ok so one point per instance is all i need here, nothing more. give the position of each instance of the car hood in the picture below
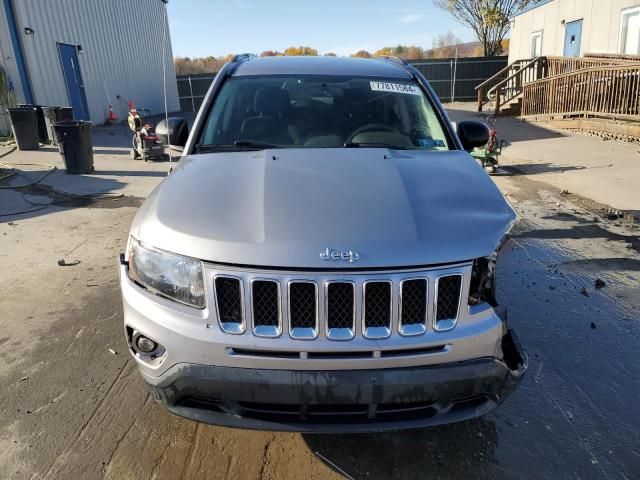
(283, 208)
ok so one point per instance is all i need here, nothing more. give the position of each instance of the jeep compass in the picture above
(323, 258)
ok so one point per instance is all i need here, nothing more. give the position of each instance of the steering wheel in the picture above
(372, 127)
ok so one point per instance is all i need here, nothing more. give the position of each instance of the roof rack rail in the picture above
(242, 57)
(399, 60)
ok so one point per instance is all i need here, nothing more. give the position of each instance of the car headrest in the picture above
(271, 102)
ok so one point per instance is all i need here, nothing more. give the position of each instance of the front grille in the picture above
(377, 309)
(303, 310)
(340, 310)
(265, 301)
(339, 306)
(448, 300)
(229, 301)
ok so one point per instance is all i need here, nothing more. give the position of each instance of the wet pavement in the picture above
(69, 408)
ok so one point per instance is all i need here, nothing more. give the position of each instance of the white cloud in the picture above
(411, 17)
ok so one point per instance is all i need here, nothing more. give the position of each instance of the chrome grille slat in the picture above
(340, 310)
(447, 303)
(413, 306)
(230, 303)
(303, 310)
(377, 309)
(265, 303)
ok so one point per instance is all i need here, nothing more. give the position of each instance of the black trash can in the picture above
(74, 142)
(42, 126)
(24, 122)
(53, 115)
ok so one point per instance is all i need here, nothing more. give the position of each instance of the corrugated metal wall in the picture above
(8, 64)
(121, 52)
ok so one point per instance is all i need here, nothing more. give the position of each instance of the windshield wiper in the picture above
(373, 145)
(254, 144)
(238, 144)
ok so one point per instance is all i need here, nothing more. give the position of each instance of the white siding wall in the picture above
(122, 50)
(600, 26)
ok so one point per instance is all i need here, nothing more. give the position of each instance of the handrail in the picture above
(605, 90)
(489, 80)
(510, 87)
(632, 66)
(512, 77)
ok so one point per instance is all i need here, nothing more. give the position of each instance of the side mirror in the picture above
(173, 132)
(472, 134)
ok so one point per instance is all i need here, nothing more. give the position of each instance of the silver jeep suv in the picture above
(323, 257)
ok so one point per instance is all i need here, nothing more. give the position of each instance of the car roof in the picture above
(306, 65)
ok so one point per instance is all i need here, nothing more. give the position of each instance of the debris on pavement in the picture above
(112, 351)
(600, 283)
(593, 326)
(333, 466)
(63, 263)
(584, 291)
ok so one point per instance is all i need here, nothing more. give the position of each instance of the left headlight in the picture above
(174, 276)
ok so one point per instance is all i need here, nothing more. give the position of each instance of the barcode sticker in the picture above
(395, 88)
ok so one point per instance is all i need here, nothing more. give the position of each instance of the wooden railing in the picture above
(608, 91)
(506, 85)
(560, 65)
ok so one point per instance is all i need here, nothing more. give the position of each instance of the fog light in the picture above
(145, 345)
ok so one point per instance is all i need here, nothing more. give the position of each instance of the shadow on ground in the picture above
(519, 130)
(462, 450)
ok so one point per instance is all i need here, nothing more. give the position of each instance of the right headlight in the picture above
(167, 274)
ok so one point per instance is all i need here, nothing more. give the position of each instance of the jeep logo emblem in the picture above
(331, 254)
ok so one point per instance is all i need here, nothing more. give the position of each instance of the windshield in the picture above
(321, 112)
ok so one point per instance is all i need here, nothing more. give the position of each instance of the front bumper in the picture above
(341, 400)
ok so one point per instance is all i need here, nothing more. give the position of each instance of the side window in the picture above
(536, 44)
(630, 31)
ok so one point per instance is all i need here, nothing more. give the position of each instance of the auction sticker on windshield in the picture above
(395, 87)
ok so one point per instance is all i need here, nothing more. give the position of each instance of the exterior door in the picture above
(73, 79)
(572, 38)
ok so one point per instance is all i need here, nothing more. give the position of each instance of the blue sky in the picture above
(200, 28)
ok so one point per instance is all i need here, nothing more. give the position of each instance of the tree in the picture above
(444, 46)
(410, 52)
(330, 54)
(489, 19)
(362, 54)
(271, 53)
(300, 51)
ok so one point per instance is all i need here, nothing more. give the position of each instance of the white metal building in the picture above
(575, 27)
(85, 53)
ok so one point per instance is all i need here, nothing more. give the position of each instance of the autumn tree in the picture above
(489, 19)
(271, 53)
(410, 52)
(300, 51)
(362, 54)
